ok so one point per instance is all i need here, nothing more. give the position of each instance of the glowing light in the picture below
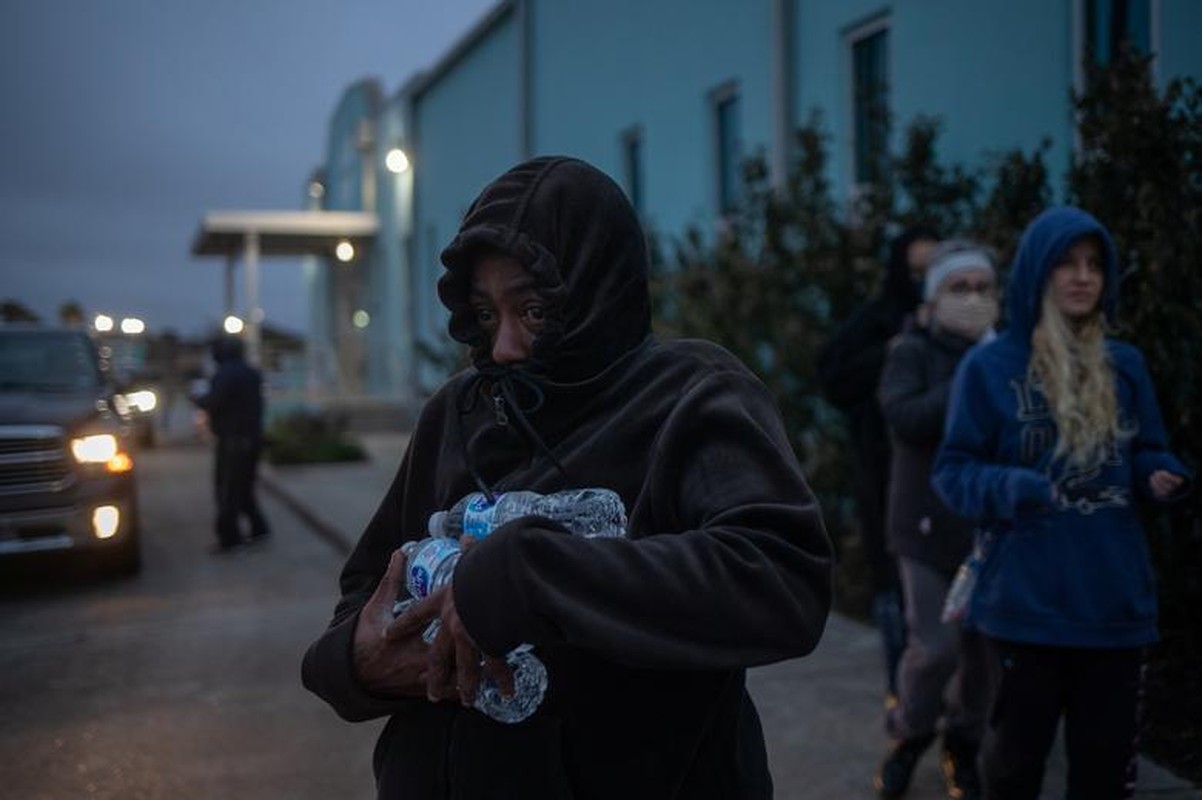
(396, 160)
(95, 449)
(121, 462)
(103, 323)
(361, 319)
(144, 400)
(232, 325)
(316, 190)
(105, 521)
(345, 251)
(132, 325)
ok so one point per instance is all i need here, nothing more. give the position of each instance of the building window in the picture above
(869, 52)
(632, 166)
(1110, 25)
(728, 147)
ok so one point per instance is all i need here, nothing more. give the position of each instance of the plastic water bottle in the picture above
(584, 512)
(959, 594)
(429, 565)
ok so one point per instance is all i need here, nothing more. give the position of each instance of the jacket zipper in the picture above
(498, 407)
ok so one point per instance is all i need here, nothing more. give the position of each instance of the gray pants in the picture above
(943, 670)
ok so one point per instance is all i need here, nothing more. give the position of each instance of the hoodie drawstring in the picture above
(508, 386)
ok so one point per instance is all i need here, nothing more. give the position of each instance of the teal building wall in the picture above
(539, 77)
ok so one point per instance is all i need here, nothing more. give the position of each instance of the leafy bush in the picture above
(307, 436)
(791, 264)
(1139, 169)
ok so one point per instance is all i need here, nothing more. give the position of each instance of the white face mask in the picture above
(968, 315)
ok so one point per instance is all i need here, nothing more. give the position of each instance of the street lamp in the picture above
(232, 325)
(345, 251)
(132, 326)
(396, 160)
(103, 323)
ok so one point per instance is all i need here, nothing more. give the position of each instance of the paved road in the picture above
(183, 682)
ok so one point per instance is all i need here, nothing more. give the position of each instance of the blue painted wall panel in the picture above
(601, 68)
(999, 75)
(822, 71)
(467, 127)
(1180, 39)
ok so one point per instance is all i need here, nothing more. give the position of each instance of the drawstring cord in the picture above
(508, 388)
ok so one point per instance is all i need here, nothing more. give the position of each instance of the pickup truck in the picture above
(67, 473)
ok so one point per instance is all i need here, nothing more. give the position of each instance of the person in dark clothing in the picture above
(646, 638)
(929, 540)
(849, 370)
(234, 408)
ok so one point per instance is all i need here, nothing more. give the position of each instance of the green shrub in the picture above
(306, 436)
(791, 264)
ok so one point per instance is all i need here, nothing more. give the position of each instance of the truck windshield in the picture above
(47, 361)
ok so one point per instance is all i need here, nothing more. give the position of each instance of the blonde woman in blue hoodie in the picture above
(1052, 439)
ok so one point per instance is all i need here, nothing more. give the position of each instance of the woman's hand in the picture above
(454, 664)
(390, 665)
(1164, 483)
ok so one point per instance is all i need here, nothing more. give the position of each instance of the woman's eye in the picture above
(534, 313)
(484, 316)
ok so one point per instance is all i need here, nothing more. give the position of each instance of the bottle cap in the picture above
(437, 525)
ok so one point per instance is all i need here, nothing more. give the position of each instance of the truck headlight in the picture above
(98, 448)
(143, 400)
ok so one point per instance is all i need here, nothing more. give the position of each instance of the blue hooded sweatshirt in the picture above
(1071, 571)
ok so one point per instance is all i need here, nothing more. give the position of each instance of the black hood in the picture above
(226, 349)
(576, 233)
(898, 286)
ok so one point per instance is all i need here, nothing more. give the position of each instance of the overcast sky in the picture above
(123, 121)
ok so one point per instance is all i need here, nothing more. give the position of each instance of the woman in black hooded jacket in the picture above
(646, 639)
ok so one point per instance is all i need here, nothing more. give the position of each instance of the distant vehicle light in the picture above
(96, 449)
(105, 521)
(143, 400)
(132, 325)
(103, 323)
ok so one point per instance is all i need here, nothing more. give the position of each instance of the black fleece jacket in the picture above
(645, 639)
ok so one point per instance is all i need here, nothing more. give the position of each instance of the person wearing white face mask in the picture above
(929, 540)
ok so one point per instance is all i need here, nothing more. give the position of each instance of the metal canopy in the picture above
(253, 234)
(282, 233)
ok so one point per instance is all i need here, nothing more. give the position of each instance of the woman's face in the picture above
(507, 307)
(1077, 280)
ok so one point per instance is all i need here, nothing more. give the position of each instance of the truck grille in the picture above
(32, 459)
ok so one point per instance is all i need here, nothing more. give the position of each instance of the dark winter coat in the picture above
(849, 371)
(645, 639)
(914, 390)
(234, 402)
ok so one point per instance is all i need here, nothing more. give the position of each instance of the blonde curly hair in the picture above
(1070, 362)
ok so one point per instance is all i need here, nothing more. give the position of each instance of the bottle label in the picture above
(478, 516)
(424, 564)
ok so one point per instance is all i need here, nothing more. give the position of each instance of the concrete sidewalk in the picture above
(821, 714)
